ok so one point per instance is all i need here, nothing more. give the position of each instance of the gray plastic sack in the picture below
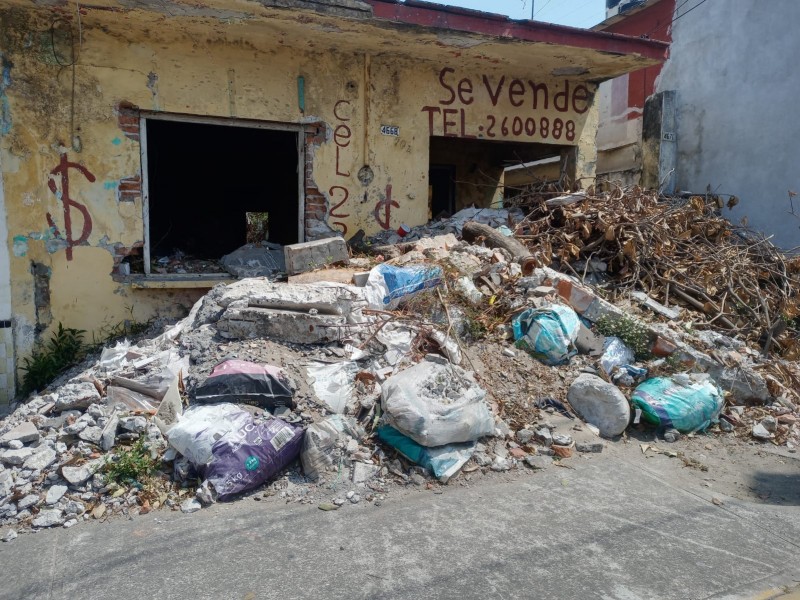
(324, 442)
(437, 404)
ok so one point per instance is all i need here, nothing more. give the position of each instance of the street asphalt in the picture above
(606, 528)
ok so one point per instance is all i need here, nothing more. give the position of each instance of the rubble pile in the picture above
(679, 251)
(451, 357)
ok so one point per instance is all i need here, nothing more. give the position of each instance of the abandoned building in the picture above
(138, 134)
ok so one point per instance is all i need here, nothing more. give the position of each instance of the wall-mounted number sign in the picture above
(392, 130)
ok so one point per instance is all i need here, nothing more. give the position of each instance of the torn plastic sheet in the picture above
(114, 358)
(333, 383)
(397, 340)
(130, 399)
(442, 461)
(615, 354)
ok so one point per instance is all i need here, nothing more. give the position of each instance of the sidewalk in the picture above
(604, 529)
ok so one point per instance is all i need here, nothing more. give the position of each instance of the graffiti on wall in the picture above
(342, 134)
(512, 109)
(383, 209)
(61, 171)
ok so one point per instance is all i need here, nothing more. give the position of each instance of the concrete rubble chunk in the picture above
(76, 475)
(135, 424)
(589, 447)
(92, 435)
(363, 472)
(15, 457)
(190, 505)
(76, 395)
(6, 484)
(41, 459)
(28, 501)
(308, 256)
(294, 313)
(744, 384)
(760, 432)
(108, 436)
(75, 428)
(255, 260)
(543, 436)
(25, 432)
(539, 463)
(656, 307)
(600, 403)
(9, 536)
(48, 518)
(55, 493)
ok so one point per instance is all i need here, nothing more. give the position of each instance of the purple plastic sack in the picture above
(245, 458)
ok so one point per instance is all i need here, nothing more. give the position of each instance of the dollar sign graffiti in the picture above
(385, 205)
(62, 169)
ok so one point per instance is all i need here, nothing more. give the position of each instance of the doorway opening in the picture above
(472, 172)
(213, 186)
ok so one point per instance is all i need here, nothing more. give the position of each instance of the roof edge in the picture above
(438, 16)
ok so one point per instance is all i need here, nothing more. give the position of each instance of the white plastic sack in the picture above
(333, 383)
(324, 442)
(199, 428)
(436, 404)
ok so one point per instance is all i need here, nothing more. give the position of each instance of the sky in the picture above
(576, 13)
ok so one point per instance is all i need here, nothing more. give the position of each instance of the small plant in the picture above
(632, 332)
(64, 349)
(131, 464)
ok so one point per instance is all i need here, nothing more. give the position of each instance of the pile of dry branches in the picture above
(678, 250)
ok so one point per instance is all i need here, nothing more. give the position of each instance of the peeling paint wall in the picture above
(70, 145)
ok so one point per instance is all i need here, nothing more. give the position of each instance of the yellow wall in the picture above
(156, 65)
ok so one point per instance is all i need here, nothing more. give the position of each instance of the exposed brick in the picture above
(128, 119)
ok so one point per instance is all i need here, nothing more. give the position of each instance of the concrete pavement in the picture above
(607, 528)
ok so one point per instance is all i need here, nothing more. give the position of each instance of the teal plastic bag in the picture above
(684, 402)
(442, 461)
(548, 334)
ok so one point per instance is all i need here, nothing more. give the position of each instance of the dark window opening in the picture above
(214, 188)
(442, 193)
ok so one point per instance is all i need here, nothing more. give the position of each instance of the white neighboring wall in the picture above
(735, 67)
(7, 388)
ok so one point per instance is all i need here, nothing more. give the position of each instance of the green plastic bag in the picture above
(442, 461)
(548, 334)
(686, 402)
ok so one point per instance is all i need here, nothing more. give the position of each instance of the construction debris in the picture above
(333, 394)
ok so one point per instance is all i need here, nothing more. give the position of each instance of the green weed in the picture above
(64, 349)
(635, 335)
(134, 463)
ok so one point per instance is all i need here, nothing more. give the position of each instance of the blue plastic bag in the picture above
(548, 334)
(388, 285)
(443, 461)
(684, 402)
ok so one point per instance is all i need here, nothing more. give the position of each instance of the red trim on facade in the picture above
(654, 21)
(437, 16)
